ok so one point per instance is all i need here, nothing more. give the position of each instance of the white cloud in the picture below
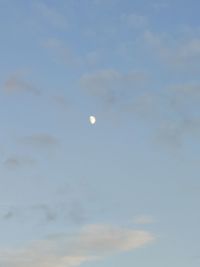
(93, 242)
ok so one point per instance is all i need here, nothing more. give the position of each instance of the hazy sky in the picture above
(122, 192)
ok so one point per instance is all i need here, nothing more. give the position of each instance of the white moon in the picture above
(92, 119)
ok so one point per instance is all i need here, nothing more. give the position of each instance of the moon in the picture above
(92, 119)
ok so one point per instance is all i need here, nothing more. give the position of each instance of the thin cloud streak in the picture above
(40, 140)
(16, 84)
(16, 161)
(51, 15)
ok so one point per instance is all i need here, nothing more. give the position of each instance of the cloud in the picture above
(157, 42)
(143, 219)
(70, 212)
(180, 118)
(111, 85)
(172, 133)
(17, 84)
(16, 161)
(77, 213)
(160, 5)
(92, 58)
(52, 16)
(178, 52)
(171, 112)
(147, 106)
(40, 140)
(61, 51)
(187, 89)
(8, 215)
(50, 215)
(7, 212)
(66, 55)
(134, 20)
(60, 101)
(93, 242)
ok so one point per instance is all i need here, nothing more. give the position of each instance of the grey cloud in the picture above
(8, 212)
(111, 85)
(50, 214)
(153, 106)
(173, 133)
(77, 214)
(40, 140)
(183, 104)
(52, 15)
(60, 101)
(9, 215)
(188, 89)
(182, 52)
(170, 135)
(143, 219)
(93, 242)
(158, 5)
(70, 212)
(92, 58)
(42, 212)
(157, 42)
(17, 84)
(172, 113)
(185, 96)
(147, 106)
(13, 162)
(61, 51)
(134, 20)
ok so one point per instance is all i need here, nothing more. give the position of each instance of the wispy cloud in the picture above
(8, 215)
(143, 219)
(40, 140)
(60, 101)
(51, 15)
(93, 242)
(49, 214)
(111, 85)
(61, 51)
(159, 5)
(135, 21)
(187, 90)
(172, 133)
(16, 161)
(179, 52)
(17, 84)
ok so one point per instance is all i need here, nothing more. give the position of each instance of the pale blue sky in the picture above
(122, 192)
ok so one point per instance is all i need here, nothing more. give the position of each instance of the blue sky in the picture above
(124, 191)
